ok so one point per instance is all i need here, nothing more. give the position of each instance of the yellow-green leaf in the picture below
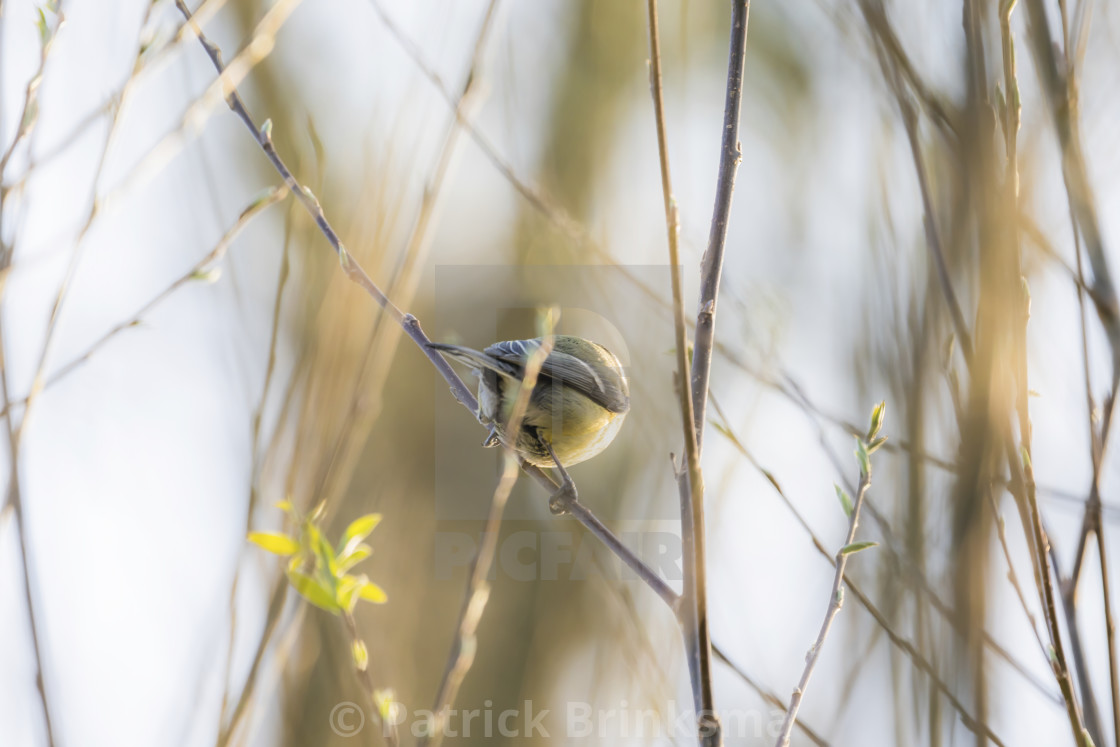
(313, 591)
(280, 544)
(348, 560)
(876, 420)
(360, 528)
(371, 592)
(360, 654)
(857, 546)
(348, 590)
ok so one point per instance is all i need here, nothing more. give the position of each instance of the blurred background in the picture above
(180, 352)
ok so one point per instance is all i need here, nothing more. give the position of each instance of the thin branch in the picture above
(835, 601)
(1001, 532)
(409, 323)
(694, 615)
(922, 584)
(711, 268)
(1063, 98)
(384, 336)
(461, 656)
(365, 679)
(768, 695)
(254, 494)
(197, 272)
(14, 500)
(882, 33)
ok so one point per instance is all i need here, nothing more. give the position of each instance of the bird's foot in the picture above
(561, 502)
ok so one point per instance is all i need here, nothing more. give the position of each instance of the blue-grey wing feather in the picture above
(606, 389)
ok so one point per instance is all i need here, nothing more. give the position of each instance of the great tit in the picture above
(576, 408)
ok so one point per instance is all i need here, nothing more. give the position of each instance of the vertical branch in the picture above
(711, 268)
(461, 656)
(1060, 85)
(690, 479)
(835, 601)
(360, 659)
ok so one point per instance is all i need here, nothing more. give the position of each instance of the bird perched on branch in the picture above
(575, 410)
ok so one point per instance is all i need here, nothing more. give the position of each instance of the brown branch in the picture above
(694, 612)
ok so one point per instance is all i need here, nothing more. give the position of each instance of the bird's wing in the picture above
(604, 389)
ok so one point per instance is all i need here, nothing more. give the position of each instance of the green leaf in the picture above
(371, 592)
(386, 702)
(312, 590)
(360, 528)
(348, 589)
(845, 501)
(278, 544)
(863, 457)
(857, 546)
(876, 420)
(266, 129)
(360, 654)
(44, 29)
(874, 445)
(348, 560)
(325, 556)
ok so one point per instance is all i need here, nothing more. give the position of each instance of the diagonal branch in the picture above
(409, 323)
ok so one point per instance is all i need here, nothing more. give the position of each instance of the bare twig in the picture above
(768, 695)
(694, 612)
(711, 268)
(13, 500)
(365, 679)
(882, 32)
(254, 493)
(462, 652)
(907, 648)
(836, 599)
(1061, 87)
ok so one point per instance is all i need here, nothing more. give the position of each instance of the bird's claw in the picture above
(560, 502)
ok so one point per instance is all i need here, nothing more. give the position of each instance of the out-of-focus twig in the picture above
(409, 323)
(883, 35)
(461, 656)
(693, 613)
(1059, 82)
(384, 336)
(13, 498)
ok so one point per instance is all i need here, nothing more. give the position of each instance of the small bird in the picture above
(575, 410)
